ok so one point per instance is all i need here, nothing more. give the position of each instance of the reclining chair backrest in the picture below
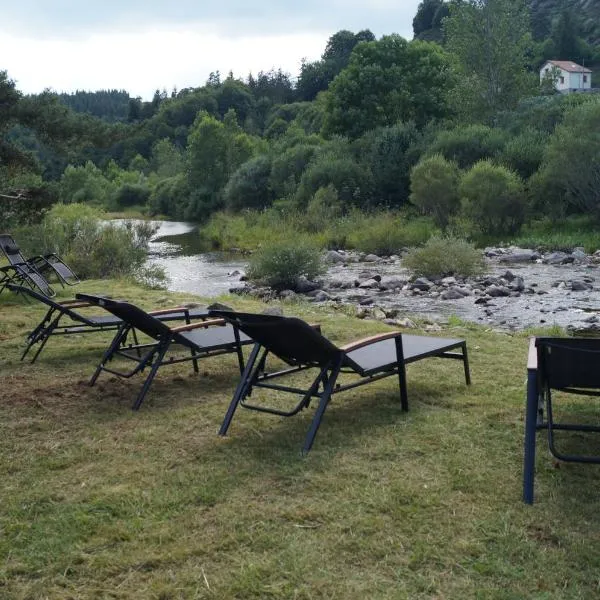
(569, 363)
(11, 250)
(292, 340)
(134, 316)
(20, 289)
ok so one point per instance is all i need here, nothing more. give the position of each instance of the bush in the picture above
(444, 256)
(288, 167)
(170, 197)
(92, 246)
(493, 199)
(467, 145)
(249, 186)
(434, 188)
(524, 153)
(352, 182)
(131, 194)
(322, 210)
(280, 264)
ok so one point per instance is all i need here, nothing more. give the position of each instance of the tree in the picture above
(490, 39)
(387, 81)
(215, 150)
(390, 164)
(426, 13)
(316, 76)
(566, 45)
(434, 188)
(167, 160)
(571, 166)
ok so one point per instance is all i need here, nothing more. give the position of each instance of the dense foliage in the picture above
(452, 127)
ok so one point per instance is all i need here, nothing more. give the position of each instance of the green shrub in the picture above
(131, 194)
(92, 246)
(170, 197)
(280, 264)
(443, 256)
(352, 181)
(322, 210)
(493, 199)
(434, 188)
(467, 145)
(249, 186)
(288, 166)
(524, 152)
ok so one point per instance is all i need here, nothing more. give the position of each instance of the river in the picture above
(176, 246)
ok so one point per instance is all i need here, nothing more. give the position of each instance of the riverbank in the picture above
(97, 499)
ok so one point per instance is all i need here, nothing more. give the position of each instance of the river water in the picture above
(176, 246)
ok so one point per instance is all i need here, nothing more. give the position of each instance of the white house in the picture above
(569, 75)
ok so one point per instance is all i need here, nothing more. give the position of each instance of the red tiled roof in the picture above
(571, 67)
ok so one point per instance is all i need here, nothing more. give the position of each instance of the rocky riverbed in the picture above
(522, 288)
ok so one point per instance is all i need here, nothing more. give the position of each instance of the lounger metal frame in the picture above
(330, 361)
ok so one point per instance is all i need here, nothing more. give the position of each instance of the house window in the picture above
(561, 79)
(585, 79)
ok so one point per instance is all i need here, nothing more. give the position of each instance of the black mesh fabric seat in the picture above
(200, 339)
(572, 366)
(302, 346)
(43, 265)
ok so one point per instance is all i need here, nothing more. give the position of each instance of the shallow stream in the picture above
(176, 247)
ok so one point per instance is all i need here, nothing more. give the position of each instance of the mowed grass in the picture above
(98, 501)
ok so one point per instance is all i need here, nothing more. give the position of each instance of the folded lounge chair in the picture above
(202, 339)
(302, 347)
(65, 318)
(25, 274)
(47, 264)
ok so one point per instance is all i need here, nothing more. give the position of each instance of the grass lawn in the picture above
(98, 501)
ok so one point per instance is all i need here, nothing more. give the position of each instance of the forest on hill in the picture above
(453, 126)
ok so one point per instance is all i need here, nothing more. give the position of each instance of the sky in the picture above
(144, 45)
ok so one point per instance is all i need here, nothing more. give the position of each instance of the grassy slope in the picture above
(100, 502)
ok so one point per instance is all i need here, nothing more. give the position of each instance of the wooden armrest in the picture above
(370, 340)
(166, 311)
(532, 355)
(75, 304)
(199, 324)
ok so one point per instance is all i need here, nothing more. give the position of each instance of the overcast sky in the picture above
(142, 45)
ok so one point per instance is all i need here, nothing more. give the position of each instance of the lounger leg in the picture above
(242, 388)
(401, 373)
(108, 354)
(160, 354)
(466, 363)
(325, 397)
(240, 354)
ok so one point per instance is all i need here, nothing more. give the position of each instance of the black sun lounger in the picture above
(47, 264)
(302, 347)
(65, 318)
(201, 339)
